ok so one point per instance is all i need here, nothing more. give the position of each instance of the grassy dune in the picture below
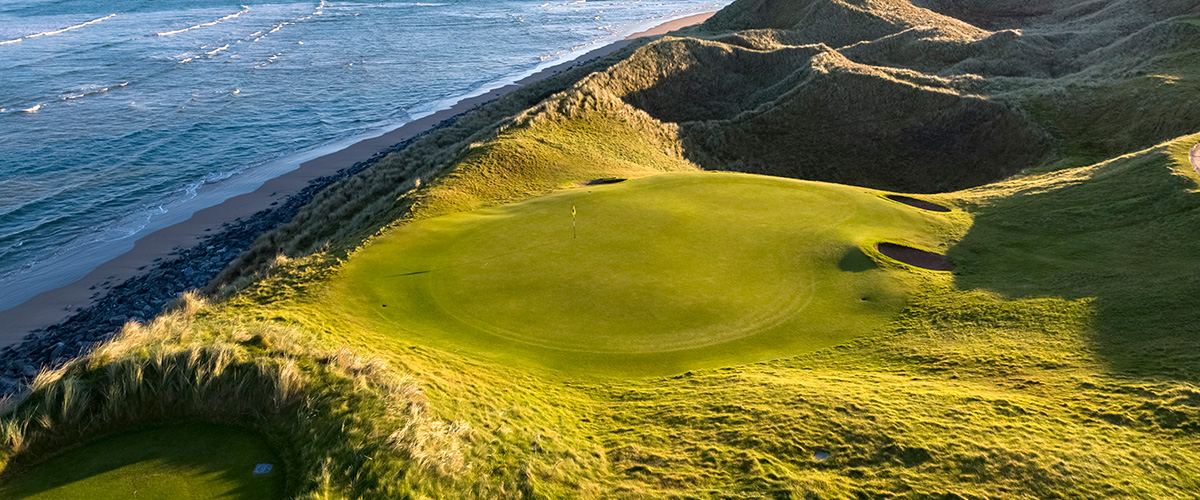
(1057, 361)
(902, 97)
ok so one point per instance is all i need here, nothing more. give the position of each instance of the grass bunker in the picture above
(193, 461)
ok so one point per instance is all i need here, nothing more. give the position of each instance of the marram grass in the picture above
(342, 425)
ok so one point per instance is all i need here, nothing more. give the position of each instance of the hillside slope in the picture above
(893, 95)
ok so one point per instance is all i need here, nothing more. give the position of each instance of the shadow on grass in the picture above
(165, 462)
(414, 273)
(1126, 234)
(855, 261)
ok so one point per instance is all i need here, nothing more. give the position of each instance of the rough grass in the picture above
(343, 425)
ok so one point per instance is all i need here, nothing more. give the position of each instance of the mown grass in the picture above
(182, 462)
(662, 274)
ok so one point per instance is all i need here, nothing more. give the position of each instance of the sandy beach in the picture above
(55, 305)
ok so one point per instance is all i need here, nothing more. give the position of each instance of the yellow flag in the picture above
(572, 210)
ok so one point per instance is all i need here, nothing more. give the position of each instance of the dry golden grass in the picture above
(345, 425)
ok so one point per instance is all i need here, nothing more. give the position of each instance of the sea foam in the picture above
(59, 31)
(244, 10)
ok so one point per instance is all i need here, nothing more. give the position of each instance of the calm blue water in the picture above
(114, 115)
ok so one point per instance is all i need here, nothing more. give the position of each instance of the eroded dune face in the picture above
(922, 95)
(1005, 14)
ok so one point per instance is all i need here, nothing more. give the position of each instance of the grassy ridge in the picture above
(863, 125)
(900, 97)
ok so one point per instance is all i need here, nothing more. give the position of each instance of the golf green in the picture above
(188, 462)
(658, 274)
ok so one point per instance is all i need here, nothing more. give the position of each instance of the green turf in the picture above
(668, 272)
(189, 462)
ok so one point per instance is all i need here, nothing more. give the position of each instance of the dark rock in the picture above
(9, 385)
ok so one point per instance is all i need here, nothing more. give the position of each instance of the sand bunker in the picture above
(916, 258)
(1194, 156)
(608, 180)
(922, 204)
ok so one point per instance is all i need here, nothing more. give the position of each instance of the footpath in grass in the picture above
(658, 274)
(187, 462)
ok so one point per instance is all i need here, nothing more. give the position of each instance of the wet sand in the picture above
(55, 305)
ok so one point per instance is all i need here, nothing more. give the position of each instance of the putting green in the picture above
(666, 272)
(189, 462)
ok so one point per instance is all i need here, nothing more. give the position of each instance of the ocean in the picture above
(118, 118)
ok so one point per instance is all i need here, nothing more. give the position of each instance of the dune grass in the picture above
(664, 273)
(195, 461)
(343, 426)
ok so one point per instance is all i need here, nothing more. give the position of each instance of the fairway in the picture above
(661, 273)
(189, 462)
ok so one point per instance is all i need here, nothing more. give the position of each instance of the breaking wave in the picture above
(60, 31)
(244, 10)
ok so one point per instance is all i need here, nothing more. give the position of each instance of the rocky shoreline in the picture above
(146, 295)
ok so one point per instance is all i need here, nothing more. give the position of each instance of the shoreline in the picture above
(207, 229)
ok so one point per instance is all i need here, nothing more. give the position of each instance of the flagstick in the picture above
(574, 232)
